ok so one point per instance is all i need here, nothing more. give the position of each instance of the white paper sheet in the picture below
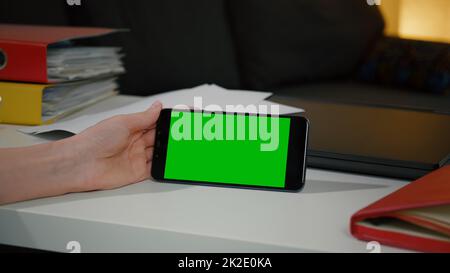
(80, 62)
(210, 94)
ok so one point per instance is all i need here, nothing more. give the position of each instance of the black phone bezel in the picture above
(296, 163)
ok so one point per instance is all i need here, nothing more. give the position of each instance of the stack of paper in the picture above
(66, 98)
(209, 94)
(80, 62)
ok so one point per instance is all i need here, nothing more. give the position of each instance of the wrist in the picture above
(43, 170)
(69, 161)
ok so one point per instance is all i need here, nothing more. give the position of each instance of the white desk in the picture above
(155, 217)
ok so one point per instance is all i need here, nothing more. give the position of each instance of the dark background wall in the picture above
(251, 44)
(169, 45)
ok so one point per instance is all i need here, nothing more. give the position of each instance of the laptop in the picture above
(390, 142)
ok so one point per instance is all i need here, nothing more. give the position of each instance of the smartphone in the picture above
(230, 149)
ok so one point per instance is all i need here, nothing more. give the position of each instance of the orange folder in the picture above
(23, 49)
(415, 217)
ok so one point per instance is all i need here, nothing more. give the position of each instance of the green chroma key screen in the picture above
(232, 157)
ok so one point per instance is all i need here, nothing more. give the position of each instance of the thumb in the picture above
(144, 120)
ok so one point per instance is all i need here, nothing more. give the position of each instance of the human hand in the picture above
(118, 151)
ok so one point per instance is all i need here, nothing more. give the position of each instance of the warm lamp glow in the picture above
(418, 19)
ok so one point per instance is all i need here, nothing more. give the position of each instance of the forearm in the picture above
(112, 154)
(39, 171)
